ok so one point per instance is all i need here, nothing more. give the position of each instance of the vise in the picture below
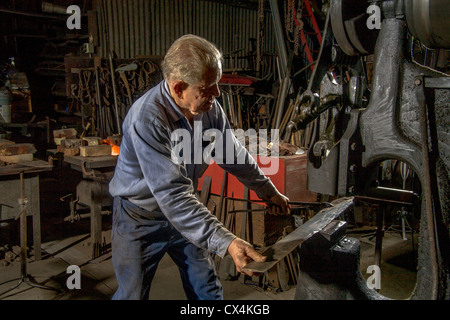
(92, 191)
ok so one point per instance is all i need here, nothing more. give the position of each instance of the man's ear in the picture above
(178, 87)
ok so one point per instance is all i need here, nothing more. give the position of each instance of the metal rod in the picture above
(279, 36)
(23, 227)
(300, 203)
(382, 200)
(79, 216)
(394, 194)
(100, 126)
(116, 106)
(304, 68)
(247, 210)
(423, 116)
(379, 236)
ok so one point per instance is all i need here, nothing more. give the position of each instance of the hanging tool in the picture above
(116, 105)
(85, 130)
(100, 126)
(121, 70)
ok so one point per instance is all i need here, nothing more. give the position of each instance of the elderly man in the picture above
(156, 210)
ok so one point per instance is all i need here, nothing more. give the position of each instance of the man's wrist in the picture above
(224, 242)
(267, 191)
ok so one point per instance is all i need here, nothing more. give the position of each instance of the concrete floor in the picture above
(398, 263)
(98, 281)
(65, 244)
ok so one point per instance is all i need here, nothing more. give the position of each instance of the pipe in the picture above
(285, 74)
(279, 37)
(53, 8)
(29, 14)
(79, 216)
(59, 9)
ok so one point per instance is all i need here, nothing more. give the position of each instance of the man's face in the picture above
(199, 97)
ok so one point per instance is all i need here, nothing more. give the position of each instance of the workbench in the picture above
(10, 185)
(25, 126)
(90, 163)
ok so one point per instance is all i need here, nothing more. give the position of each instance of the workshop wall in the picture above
(148, 27)
(38, 41)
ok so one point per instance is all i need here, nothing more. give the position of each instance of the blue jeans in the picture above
(140, 239)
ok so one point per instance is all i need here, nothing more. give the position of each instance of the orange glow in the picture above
(114, 148)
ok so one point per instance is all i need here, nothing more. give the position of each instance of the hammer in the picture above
(121, 70)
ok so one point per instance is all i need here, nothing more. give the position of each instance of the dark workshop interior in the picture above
(351, 97)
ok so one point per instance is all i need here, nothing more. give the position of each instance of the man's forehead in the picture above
(210, 78)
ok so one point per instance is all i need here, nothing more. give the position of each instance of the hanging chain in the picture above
(291, 27)
(288, 19)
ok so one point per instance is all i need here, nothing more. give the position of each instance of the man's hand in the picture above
(242, 253)
(279, 204)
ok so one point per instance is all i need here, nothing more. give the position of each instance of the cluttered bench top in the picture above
(16, 158)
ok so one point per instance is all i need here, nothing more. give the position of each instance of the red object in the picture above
(236, 79)
(302, 33)
(313, 21)
(290, 179)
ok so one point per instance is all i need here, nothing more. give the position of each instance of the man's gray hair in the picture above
(189, 57)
